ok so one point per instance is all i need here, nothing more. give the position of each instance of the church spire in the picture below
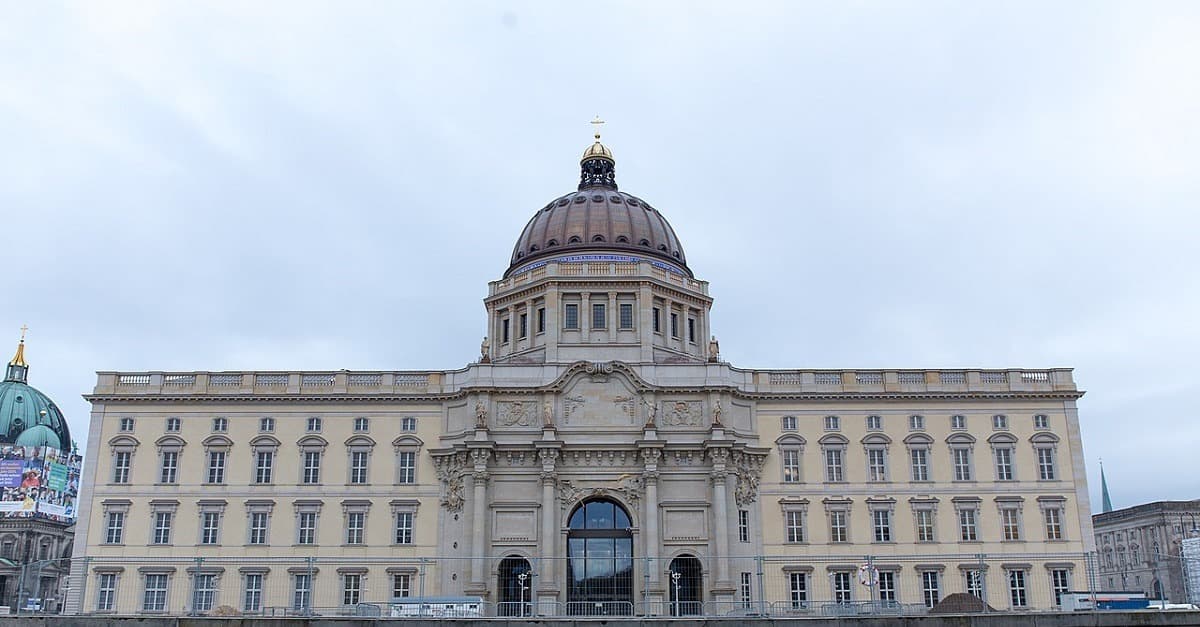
(17, 368)
(1106, 502)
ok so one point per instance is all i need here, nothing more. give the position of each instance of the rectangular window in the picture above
(692, 330)
(1016, 588)
(788, 423)
(962, 464)
(127, 424)
(571, 316)
(791, 465)
(1010, 520)
(916, 423)
(155, 597)
(258, 527)
(833, 465)
(114, 532)
(674, 325)
(974, 583)
(523, 326)
(351, 588)
(1045, 457)
(306, 528)
(887, 588)
(798, 590)
(657, 323)
(1004, 465)
(220, 424)
(504, 331)
(1041, 421)
(266, 425)
(541, 320)
(958, 422)
(216, 466)
(925, 525)
(358, 467)
(252, 600)
(210, 527)
(401, 585)
(1054, 529)
(106, 594)
(404, 528)
(931, 587)
(876, 464)
(598, 321)
(743, 525)
(121, 462)
(173, 425)
(356, 523)
(1060, 584)
(874, 423)
(204, 591)
(301, 591)
(833, 423)
(882, 523)
(837, 526)
(795, 526)
(312, 467)
(406, 467)
(170, 467)
(408, 423)
(362, 424)
(999, 422)
(747, 591)
(919, 458)
(841, 587)
(264, 466)
(626, 315)
(162, 528)
(314, 424)
(967, 528)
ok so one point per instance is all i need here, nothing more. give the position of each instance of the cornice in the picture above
(269, 398)
(906, 396)
(539, 287)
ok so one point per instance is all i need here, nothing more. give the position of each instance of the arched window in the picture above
(686, 585)
(574, 239)
(599, 560)
(515, 587)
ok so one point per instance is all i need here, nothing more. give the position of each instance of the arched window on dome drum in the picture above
(621, 239)
(597, 238)
(644, 242)
(599, 560)
(574, 239)
(552, 242)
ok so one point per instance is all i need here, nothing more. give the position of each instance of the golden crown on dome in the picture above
(597, 150)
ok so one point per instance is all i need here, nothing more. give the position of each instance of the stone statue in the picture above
(714, 349)
(651, 413)
(480, 415)
(484, 349)
(717, 412)
(548, 413)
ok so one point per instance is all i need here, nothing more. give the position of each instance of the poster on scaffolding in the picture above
(38, 481)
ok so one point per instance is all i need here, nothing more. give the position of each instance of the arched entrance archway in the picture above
(599, 560)
(686, 582)
(515, 586)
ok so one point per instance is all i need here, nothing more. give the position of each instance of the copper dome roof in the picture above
(598, 218)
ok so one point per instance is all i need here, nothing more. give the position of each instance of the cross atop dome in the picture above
(18, 370)
(597, 166)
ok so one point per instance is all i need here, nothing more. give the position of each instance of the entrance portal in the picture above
(515, 588)
(686, 586)
(599, 560)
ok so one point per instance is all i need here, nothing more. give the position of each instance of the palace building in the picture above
(598, 457)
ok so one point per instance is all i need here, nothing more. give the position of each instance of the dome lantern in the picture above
(597, 166)
(18, 370)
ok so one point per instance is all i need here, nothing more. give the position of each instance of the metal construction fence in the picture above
(597, 584)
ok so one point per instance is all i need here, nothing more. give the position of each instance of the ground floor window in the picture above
(931, 590)
(798, 589)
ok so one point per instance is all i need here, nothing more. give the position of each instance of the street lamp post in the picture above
(521, 579)
(675, 580)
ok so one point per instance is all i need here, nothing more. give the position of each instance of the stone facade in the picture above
(602, 384)
(1138, 548)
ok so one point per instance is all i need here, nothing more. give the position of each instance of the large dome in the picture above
(27, 416)
(597, 218)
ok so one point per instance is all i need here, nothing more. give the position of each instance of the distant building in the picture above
(598, 457)
(1139, 547)
(39, 479)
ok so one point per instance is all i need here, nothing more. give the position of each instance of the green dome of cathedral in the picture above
(28, 417)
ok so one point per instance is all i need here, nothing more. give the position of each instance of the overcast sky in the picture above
(304, 186)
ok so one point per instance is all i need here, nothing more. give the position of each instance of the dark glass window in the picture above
(599, 560)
